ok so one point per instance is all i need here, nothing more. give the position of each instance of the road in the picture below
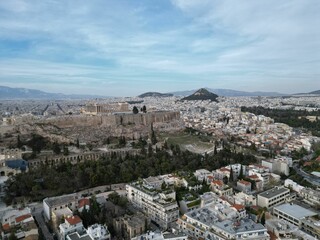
(37, 213)
(310, 178)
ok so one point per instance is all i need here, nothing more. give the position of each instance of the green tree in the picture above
(225, 179)
(231, 178)
(135, 110)
(65, 150)
(56, 148)
(215, 151)
(241, 172)
(12, 236)
(153, 138)
(144, 109)
(163, 185)
(77, 143)
(263, 218)
(19, 142)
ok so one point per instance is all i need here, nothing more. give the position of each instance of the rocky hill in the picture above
(155, 94)
(201, 94)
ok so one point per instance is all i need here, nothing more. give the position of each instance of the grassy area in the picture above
(186, 141)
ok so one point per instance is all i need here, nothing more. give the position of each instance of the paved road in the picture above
(37, 213)
(310, 178)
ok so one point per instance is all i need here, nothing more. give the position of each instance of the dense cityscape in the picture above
(159, 120)
(161, 167)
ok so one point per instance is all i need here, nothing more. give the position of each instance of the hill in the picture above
(315, 92)
(231, 93)
(25, 93)
(201, 94)
(155, 94)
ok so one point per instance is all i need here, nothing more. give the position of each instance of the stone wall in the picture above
(117, 119)
(77, 158)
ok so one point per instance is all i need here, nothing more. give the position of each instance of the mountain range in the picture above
(25, 93)
(231, 93)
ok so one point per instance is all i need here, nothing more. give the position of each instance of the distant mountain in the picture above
(315, 92)
(155, 94)
(230, 93)
(201, 94)
(24, 93)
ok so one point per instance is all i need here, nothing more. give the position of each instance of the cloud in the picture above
(144, 44)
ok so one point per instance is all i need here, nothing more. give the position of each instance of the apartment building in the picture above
(273, 197)
(292, 213)
(310, 196)
(160, 207)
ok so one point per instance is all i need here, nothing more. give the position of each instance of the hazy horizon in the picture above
(125, 48)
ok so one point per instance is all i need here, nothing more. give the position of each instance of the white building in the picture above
(60, 202)
(273, 197)
(162, 208)
(98, 232)
(292, 213)
(278, 166)
(293, 185)
(202, 174)
(310, 196)
(71, 225)
(245, 199)
(244, 186)
(161, 236)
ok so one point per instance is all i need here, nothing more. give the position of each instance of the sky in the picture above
(127, 47)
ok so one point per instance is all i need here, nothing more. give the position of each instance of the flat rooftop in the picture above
(295, 211)
(274, 192)
(76, 236)
(54, 201)
(204, 215)
(242, 226)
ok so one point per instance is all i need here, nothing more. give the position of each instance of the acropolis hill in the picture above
(97, 122)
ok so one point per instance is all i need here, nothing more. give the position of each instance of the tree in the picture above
(77, 143)
(263, 218)
(241, 172)
(225, 179)
(19, 143)
(163, 185)
(215, 151)
(56, 148)
(231, 179)
(12, 236)
(135, 110)
(65, 151)
(144, 109)
(153, 138)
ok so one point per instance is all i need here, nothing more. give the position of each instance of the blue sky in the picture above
(124, 48)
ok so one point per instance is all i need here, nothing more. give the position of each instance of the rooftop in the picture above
(204, 215)
(274, 192)
(76, 236)
(23, 217)
(84, 202)
(54, 201)
(244, 182)
(73, 220)
(173, 235)
(295, 211)
(242, 226)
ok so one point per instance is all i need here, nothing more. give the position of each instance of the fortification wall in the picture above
(113, 120)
